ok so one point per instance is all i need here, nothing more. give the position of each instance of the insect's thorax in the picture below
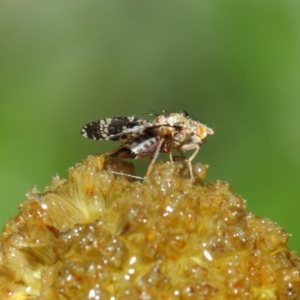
(183, 129)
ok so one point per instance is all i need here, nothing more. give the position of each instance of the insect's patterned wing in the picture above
(114, 128)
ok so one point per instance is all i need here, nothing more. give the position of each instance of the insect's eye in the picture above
(184, 113)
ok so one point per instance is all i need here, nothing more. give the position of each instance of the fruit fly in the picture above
(142, 138)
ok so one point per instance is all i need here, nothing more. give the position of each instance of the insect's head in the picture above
(202, 130)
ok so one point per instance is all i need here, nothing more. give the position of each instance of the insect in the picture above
(142, 138)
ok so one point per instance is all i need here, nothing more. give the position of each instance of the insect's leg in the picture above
(126, 175)
(170, 146)
(171, 159)
(181, 153)
(180, 157)
(196, 147)
(154, 157)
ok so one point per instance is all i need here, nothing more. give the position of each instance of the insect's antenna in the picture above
(194, 117)
(170, 110)
(165, 112)
(153, 113)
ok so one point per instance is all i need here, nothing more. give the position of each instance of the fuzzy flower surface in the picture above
(99, 235)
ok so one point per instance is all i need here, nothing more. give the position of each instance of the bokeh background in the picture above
(234, 65)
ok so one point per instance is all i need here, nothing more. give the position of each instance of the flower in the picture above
(104, 235)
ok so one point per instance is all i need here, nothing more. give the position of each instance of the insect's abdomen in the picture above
(141, 146)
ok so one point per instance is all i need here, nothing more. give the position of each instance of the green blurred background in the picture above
(232, 64)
